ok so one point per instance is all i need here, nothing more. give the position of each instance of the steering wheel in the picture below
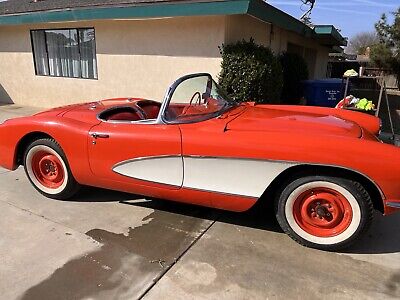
(185, 110)
(198, 99)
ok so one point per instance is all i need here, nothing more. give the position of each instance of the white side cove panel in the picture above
(164, 170)
(244, 177)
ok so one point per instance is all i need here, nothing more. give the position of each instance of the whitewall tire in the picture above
(47, 169)
(323, 212)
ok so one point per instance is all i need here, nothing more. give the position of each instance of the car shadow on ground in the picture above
(382, 238)
(259, 217)
(91, 194)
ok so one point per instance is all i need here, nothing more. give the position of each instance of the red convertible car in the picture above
(325, 169)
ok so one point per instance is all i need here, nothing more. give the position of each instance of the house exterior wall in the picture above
(239, 27)
(136, 58)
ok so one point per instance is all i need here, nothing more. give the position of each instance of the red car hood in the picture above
(267, 119)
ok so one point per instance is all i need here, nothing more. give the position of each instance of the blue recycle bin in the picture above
(323, 92)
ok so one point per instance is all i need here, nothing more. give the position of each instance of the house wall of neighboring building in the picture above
(138, 58)
(316, 56)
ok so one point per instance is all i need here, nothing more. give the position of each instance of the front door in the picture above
(141, 153)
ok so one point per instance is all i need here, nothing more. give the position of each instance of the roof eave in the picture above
(271, 14)
(329, 36)
(326, 34)
(143, 11)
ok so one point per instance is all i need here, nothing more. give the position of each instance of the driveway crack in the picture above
(167, 269)
(43, 217)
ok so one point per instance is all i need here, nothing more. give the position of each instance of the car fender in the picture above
(71, 135)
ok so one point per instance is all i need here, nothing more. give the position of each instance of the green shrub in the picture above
(250, 72)
(295, 70)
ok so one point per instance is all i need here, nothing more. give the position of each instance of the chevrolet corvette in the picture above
(325, 170)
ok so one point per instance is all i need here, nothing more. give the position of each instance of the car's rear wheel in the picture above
(326, 213)
(47, 169)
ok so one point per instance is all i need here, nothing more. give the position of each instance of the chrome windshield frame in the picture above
(168, 95)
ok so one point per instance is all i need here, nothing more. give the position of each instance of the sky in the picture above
(350, 16)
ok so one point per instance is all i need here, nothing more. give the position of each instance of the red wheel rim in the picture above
(322, 212)
(48, 169)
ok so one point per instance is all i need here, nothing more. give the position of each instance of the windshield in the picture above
(195, 99)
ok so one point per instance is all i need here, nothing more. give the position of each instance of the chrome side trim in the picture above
(221, 193)
(146, 122)
(393, 204)
(144, 158)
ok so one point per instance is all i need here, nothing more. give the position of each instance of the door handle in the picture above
(100, 136)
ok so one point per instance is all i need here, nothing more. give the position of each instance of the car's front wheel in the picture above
(47, 169)
(322, 212)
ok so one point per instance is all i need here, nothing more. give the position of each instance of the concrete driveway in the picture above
(110, 245)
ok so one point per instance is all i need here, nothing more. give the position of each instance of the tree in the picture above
(390, 34)
(388, 52)
(360, 42)
(381, 56)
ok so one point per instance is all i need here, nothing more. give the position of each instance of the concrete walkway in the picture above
(8, 111)
(110, 245)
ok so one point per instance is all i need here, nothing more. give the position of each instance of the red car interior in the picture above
(151, 108)
(120, 114)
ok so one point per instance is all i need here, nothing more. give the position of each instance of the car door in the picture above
(141, 153)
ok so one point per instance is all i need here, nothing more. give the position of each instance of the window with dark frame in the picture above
(65, 52)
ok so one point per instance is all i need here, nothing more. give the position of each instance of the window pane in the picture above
(88, 53)
(190, 90)
(63, 52)
(40, 53)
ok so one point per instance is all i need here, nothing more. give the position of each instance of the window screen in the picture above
(65, 52)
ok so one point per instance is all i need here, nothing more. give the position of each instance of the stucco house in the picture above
(55, 52)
